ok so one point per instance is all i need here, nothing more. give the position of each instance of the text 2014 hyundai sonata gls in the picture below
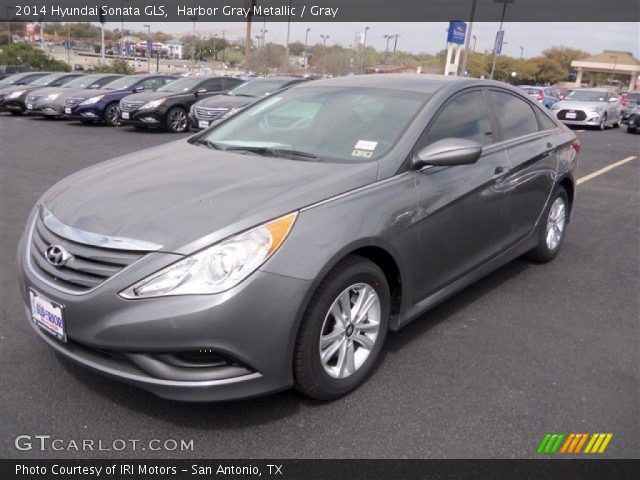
(279, 247)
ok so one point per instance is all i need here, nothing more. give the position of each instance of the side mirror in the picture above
(449, 152)
(139, 88)
(200, 91)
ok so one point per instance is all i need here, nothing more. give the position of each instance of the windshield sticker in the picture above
(366, 145)
(361, 153)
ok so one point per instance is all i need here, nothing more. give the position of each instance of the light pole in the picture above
(194, 19)
(613, 72)
(467, 39)
(306, 56)
(286, 68)
(364, 47)
(9, 8)
(215, 35)
(474, 43)
(324, 40)
(521, 52)
(148, 27)
(495, 46)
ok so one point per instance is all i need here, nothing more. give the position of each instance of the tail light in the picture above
(576, 145)
(540, 95)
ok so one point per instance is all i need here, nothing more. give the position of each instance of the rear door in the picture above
(463, 209)
(532, 152)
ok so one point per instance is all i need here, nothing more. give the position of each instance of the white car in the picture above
(596, 107)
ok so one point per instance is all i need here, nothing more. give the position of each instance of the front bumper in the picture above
(12, 105)
(147, 118)
(46, 109)
(86, 113)
(254, 324)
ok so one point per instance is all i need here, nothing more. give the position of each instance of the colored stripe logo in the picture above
(573, 443)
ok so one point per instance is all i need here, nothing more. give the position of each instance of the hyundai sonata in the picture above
(279, 247)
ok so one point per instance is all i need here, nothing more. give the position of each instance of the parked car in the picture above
(102, 105)
(545, 96)
(633, 119)
(563, 91)
(278, 247)
(6, 70)
(595, 107)
(21, 98)
(51, 100)
(20, 79)
(204, 112)
(629, 103)
(168, 107)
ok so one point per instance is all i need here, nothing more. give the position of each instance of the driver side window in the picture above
(466, 116)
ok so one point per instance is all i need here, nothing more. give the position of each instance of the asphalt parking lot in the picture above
(530, 349)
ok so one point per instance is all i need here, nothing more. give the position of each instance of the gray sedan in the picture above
(594, 107)
(280, 246)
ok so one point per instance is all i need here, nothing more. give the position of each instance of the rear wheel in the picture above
(111, 115)
(631, 129)
(553, 229)
(343, 330)
(177, 120)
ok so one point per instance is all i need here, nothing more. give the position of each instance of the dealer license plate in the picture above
(29, 106)
(571, 114)
(203, 124)
(125, 115)
(48, 315)
(67, 110)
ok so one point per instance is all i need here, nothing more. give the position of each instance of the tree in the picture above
(564, 55)
(33, 58)
(296, 48)
(550, 70)
(118, 66)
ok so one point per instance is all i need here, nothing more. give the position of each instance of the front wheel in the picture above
(603, 122)
(553, 229)
(631, 129)
(177, 120)
(343, 330)
(111, 114)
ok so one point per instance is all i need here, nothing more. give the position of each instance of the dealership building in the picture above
(613, 62)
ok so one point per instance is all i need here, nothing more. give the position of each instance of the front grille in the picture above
(209, 113)
(580, 115)
(130, 106)
(88, 267)
(72, 101)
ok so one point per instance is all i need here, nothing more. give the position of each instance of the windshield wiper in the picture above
(209, 144)
(275, 152)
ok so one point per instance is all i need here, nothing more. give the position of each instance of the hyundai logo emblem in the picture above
(57, 255)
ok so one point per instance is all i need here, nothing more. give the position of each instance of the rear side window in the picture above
(466, 116)
(230, 83)
(516, 116)
(547, 123)
(211, 85)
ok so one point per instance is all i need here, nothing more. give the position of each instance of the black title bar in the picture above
(319, 10)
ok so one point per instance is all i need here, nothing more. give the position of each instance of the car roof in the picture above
(595, 89)
(416, 82)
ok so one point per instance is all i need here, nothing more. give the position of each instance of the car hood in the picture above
(226, 101)
(185, 197)
(577, 105)
(50, 90)
(12, 88)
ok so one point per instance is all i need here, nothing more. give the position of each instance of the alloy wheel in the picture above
(112, 115)
(603, 122)
(350, 330)
(178, 120)
(556, 223)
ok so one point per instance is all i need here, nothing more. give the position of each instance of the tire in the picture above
(353, 278)
(546, 250)
(631, 129)
(617, 124)
(603, 122)
(177, 120)
(110, 115)
(16, 113)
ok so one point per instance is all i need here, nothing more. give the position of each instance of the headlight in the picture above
(153, 104)
(219, 267)
(15, 94)
(52, 96)
(92, 100)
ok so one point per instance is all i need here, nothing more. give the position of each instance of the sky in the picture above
(534, 37)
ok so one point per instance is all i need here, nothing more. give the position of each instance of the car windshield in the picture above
(348, 125)
(587, 96)
(11, 79)
(82, 82)
(258, 88)
(182, 85)
(46, 80)
(121, 83)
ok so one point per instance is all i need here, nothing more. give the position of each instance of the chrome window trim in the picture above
(95, 239)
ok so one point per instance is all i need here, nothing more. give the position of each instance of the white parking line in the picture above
(597, 173)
